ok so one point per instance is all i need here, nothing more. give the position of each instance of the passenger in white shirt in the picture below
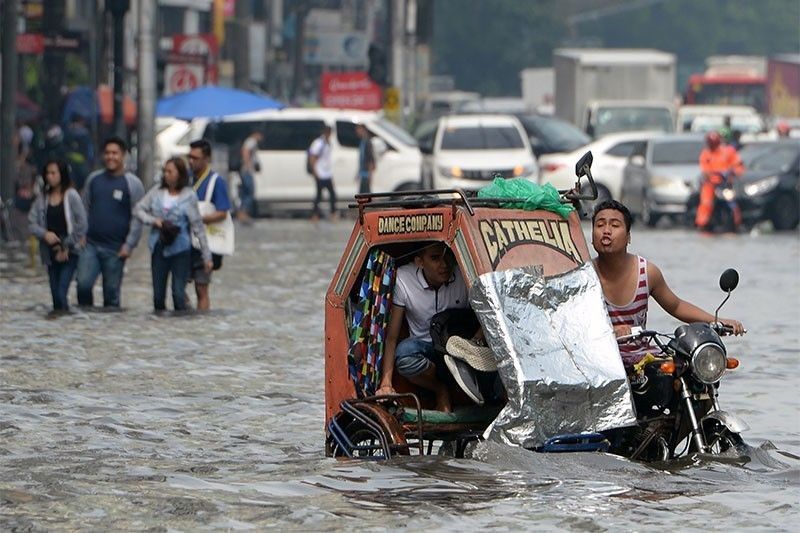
(423, 288)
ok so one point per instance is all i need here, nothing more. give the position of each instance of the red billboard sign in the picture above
(351, 90)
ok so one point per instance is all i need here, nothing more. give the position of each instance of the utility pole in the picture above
(411, 44)
(52, 25)
(146, 116)
(398, 27)
(241, 51)
(118, 8)
(8, 39)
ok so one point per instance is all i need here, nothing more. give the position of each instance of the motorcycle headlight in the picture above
(708, 363)
(761, 186)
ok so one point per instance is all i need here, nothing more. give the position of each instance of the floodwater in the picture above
(130, 421)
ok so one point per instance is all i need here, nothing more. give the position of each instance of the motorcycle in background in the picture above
(726, 217)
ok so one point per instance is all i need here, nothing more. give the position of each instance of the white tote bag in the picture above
(219, 234)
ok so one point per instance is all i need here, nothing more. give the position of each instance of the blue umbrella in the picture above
(213, 102)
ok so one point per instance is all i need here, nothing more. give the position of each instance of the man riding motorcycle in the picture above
(718, 163)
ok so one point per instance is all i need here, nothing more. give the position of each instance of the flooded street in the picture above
(131, 421)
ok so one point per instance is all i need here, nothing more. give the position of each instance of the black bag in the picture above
(169, 232)
(461, 322)
(309, 165)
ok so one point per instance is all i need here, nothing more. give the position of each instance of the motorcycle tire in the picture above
(719, 439)
(722, 219)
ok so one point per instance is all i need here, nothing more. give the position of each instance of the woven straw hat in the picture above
(477, 356)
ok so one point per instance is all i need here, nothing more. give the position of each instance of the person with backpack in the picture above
(321, 167)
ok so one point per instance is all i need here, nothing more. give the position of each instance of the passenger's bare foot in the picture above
(443, 401)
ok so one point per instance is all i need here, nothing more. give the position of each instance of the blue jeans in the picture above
(93, 261)
(413, 356)
(61, 275)
(180, 266)
(247, 194)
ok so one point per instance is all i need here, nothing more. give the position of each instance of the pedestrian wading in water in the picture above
(171, 209)
(58, 220)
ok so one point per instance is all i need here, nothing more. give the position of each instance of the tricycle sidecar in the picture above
(483, 237)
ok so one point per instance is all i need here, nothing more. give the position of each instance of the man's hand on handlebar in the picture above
(733, 326)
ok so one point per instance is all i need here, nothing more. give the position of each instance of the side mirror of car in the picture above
(426, 146)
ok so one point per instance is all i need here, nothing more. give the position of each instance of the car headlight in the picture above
(451, 172)
(761, 186)
(708, 363)
(523, 170)
(661, 181)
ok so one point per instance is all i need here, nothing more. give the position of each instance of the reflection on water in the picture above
(130, 420)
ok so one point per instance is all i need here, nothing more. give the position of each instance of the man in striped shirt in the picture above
(629, 280)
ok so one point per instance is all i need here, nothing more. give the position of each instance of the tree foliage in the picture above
(484, 44)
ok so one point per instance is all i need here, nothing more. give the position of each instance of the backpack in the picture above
(309, 164)
(457, 321)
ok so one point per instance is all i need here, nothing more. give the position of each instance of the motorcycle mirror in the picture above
(583, 163)
(729, 280)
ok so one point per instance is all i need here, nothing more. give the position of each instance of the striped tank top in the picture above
(634, 313)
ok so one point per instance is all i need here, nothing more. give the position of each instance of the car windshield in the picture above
(481, 138)
(677, 153)
(616, 119)
(559, 133)
(402, 135)
(745, 124)
(768, 157)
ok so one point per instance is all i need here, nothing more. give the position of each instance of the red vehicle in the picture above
(727, 90)
(730, 80)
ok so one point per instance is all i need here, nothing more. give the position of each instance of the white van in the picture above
(467, 151)
(283, 183)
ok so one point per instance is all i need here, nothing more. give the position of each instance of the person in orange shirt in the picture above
(718, 163)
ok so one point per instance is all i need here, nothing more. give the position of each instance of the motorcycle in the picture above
(724, 216)
(676, 393)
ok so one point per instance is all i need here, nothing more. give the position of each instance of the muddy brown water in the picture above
(130, 421)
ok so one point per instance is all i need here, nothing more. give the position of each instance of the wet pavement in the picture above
(130, 420)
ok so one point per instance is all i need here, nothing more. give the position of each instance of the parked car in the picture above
(610, 156)
(656, 179)
(770, 187)
(467, 151)
(283, 183)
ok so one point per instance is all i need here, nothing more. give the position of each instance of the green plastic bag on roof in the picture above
(526, 195)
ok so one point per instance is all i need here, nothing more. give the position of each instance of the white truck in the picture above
(608, 90)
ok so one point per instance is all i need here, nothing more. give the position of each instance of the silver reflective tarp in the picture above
(556, 352)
